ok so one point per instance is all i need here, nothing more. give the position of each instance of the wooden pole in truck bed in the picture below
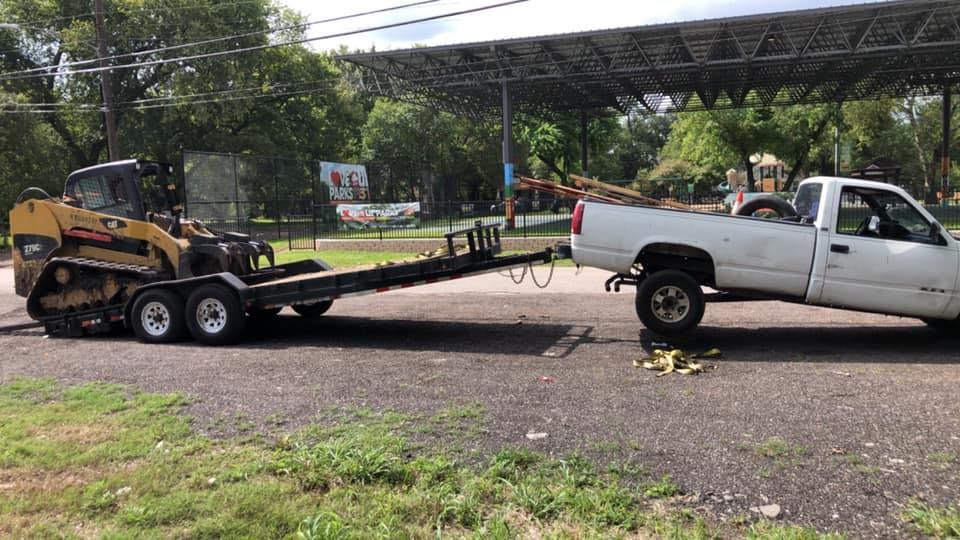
(622, 192)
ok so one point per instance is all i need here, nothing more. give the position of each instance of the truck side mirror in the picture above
(935, 237)
(874, 225)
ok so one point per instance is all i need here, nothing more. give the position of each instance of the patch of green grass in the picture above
(108, 461)
(662, 489)
(778, 448)
(765, 530)
(781, 452)
(859, 465)
(339, 259)
(936, 522)
(944, 459)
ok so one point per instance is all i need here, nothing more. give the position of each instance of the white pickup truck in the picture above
(853, 244)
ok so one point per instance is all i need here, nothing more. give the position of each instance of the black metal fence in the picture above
(277, 199)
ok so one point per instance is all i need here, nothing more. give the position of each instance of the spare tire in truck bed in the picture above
(770, 203)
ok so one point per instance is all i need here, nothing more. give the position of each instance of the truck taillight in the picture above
(576, 223)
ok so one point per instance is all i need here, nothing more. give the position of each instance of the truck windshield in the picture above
(807, 201)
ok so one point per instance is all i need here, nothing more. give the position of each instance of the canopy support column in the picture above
(507, 110)
(945, 148)
(584, 166)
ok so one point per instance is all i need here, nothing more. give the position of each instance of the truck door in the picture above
(885, 256)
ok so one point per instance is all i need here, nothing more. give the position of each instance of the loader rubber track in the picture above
(95, 299)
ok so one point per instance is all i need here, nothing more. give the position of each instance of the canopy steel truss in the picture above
(888, 49)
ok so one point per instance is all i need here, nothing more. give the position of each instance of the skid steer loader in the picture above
(116, 227)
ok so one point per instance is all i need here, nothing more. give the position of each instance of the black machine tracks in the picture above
(89, 310)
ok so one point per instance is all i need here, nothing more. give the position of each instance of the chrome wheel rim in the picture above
(211, 315)
(670, 304)
(155, 319)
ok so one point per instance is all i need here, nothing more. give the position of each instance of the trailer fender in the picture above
(183, 288)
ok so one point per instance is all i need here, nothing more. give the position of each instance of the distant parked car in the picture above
(723, 188)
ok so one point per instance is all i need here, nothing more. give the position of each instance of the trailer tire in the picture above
(772, 203)
(670, 303)
(157, 317)
(215, 315)
(312, 311)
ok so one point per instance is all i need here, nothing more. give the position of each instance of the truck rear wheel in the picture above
(670, 303)
(215, 315)
(313, 310)
(157, 317)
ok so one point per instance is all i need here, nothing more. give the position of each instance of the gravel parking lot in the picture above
(839, 418)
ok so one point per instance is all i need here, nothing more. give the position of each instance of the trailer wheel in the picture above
(769, 206)
(157, 317)
(669, 303)
(215, 315)
(311, 311)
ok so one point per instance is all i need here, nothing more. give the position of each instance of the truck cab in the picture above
(878, 250)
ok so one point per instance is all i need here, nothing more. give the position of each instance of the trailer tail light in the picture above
(576, 223)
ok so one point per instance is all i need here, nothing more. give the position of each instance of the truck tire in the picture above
(215, 315)
(769, 204)
(670, 303)
(943, 326)
(311, 311)
(157, 317)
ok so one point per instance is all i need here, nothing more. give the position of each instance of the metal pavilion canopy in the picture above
(887, 49)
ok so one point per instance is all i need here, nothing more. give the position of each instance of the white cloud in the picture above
(531, 18)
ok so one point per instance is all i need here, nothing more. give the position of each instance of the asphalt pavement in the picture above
(839, 418)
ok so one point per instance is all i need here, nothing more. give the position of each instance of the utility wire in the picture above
(99, 109)
(217, 40)
(52, 107)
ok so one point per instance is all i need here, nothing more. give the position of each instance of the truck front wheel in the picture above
(670, 303)
(215, 315)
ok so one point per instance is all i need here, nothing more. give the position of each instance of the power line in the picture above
(268, 46)
(216, 40)
(98, 109)
(219, 5)
(52, 107)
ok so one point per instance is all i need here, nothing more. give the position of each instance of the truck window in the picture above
(897, 219)
(807, 201)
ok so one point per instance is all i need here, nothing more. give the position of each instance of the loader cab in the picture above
(127, 189)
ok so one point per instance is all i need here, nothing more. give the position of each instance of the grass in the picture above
(341, 258)
(780, 453)
(935, 522)
(107, 461)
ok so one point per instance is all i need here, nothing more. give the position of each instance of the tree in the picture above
(280, 101)
(800, 134)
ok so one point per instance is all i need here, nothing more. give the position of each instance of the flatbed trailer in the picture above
(214, 307)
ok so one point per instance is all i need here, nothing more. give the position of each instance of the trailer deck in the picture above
(214, 306)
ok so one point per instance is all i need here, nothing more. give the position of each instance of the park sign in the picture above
(345, 182)
(379, 216)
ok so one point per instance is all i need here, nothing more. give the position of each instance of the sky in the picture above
(530, 18)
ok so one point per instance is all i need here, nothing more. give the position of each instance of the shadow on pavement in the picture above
(875, 344)
(540, 339)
